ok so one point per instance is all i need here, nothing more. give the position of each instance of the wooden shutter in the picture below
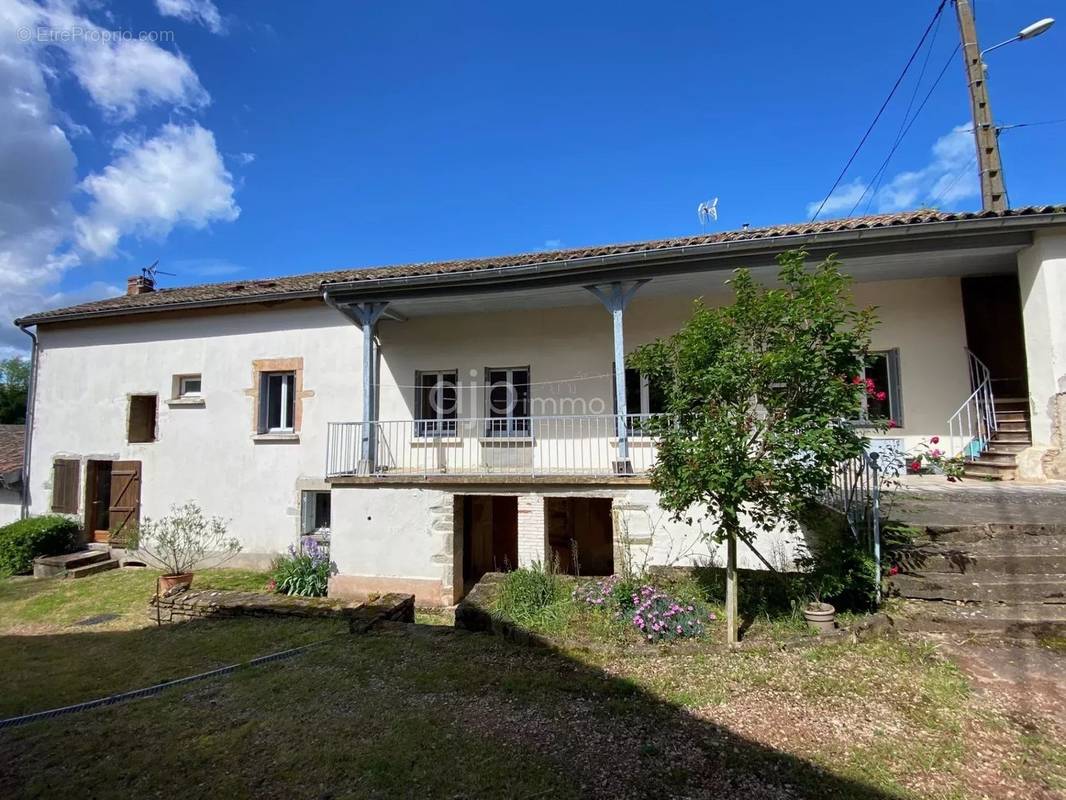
(124, 510)
(65, 484)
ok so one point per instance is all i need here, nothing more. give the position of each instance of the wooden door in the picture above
(124, 511)
(992, 308)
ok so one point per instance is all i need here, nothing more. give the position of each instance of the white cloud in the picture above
(840, 201)
(202, 12)
(177, 177)
(552, 244)
(949, 178)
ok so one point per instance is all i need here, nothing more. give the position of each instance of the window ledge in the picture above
(522, 440)
(427, 441)
(186, 402)
(275, 437)
(635, 441)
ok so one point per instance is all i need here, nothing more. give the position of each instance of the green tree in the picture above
(758, 398)
(14, 386)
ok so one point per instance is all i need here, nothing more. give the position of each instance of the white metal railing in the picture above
(856, 493)
(533, 446)
(971, 428)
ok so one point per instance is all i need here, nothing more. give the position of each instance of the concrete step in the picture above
(1033, 588)
(92, 569)
(1012, 426)
(995, 459)
(994, 472)
(1012, 415)
(1011, 402)
(1006, 448)
(57, 566)
(1024, 621)
(1012, 438)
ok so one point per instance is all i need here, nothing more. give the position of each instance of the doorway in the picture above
(992, 307)
(490, 536)
(581, 534)
(112, 500)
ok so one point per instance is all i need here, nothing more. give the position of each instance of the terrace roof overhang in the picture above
(974, 246)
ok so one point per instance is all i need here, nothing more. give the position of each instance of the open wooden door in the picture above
(124, 511)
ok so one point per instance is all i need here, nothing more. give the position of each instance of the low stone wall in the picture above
(215, 603)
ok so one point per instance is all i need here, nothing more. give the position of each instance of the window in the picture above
(277, 402)
(436, 403)
(141, 418)
(189, 386)
(314, 512)
(884, 402)
(507, 401)
(643, 398)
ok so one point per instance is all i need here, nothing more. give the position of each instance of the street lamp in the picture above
(1028, 32)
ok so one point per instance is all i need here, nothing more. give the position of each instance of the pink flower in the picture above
(936, 453)
(935, 440)
(881, 395)
(893, 570)
(892, 424)
(916, 465)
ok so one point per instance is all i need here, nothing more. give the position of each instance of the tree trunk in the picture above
(731, 622)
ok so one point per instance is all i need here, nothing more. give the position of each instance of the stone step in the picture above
(1011, 402)
(1006, 448)
(56, 566)
(962, 562)
(1034, 588)
(92, 569)
(1012, 438)
(1025, 621)
(994, 459)
(1017, 534)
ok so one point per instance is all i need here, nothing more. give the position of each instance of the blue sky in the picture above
(272, 138)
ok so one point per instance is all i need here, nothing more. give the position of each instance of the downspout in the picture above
(27, 444)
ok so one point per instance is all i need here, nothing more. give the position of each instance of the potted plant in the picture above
(820, 616)
(180, 541)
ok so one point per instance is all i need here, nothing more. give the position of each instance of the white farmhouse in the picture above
(439, 420)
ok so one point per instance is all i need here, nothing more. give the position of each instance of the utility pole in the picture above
(993, 188)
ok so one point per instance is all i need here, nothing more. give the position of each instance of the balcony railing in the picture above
(528, 446)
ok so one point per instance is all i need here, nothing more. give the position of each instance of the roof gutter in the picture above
(27, 443)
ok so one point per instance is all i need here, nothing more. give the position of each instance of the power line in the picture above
(970, 165)
(876, 182)
(906, 130)
(881, 110)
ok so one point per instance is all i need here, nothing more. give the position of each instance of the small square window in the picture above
(189, 386)
(141, 418)
(277, 402)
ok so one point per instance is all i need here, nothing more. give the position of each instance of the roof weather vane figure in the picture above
(707, 211)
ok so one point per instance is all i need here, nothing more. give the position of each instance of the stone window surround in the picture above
(294, 365)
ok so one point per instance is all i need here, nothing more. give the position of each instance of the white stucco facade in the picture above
(396, 535)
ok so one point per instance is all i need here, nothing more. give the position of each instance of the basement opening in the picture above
(490, 536)
(581, 534)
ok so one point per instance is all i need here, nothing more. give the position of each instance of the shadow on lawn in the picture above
(407, 711)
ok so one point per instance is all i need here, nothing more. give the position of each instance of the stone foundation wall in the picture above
(215, 604)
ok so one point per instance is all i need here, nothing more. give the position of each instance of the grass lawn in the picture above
(423, 711)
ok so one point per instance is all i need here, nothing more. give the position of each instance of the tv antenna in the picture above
(152, 270)
(707, 211)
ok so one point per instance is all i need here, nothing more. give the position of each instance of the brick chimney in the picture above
(139, 284)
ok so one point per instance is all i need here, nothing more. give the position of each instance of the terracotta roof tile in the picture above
(310, 285)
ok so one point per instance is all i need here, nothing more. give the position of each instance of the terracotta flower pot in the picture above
(167, 583)
(820, 616)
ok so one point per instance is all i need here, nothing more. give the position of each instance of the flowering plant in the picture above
(304, 571)
(660, 617)
(927, 457)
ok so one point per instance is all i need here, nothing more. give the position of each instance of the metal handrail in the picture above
(856, 493)
(972, 426)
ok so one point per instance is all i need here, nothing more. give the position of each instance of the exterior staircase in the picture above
(998, 461)
(1005, 578)
(80, 564)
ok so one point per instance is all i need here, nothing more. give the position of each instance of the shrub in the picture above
(304, 572)
(23, 541)
(656, 615)
(183, 540)
(534, 598)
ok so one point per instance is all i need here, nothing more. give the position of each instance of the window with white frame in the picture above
(277, 402)
(643, 398)
(436, 402)
(189, 386)
(507, 401)
(315, 511)
(882, 398)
